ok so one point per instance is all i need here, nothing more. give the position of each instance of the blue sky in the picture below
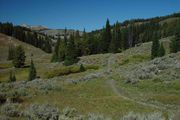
(80, 14)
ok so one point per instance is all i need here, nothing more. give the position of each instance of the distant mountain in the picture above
(51, 32)
(35, 28)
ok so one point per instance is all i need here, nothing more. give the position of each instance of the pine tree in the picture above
(82, 68)
(12, 77)
(55, 57)
(32, 72)
(105, 38)
(108, 36)
(47, 47)
(78, 43)
(62, 51)
(124, 42)
(155, 48)
(115, 44)
(112, 46)
(19, 57)
(161, 51)
(70, 56)
(85, 47)
(11, 52)
(175, 43)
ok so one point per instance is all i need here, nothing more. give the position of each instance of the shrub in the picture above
(2, 98)
(69, 112)
(4, 118)
(11, 110)
(94, 67)
(82, 69)
(42, 112)
(66, 70)
(97, 117)
(63, 71)
(137, 116)
(12, 77)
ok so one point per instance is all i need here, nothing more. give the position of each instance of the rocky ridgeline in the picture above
(165, 68)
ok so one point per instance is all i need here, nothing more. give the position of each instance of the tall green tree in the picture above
(124, 42)
(70, 56)
(175, 43)
(12, 77)
(82, 68)
(47, 45)
(162, 51)
(115, 44)
(112, 46)
(85, 47)
(105, 38)
(32, 71)
(78, 43)
(11, 52)
(155, 48)
(62, 50)
(19, 57)
(55, 57)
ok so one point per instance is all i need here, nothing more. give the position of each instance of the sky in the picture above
(80, 14)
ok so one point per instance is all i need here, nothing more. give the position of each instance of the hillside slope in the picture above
(5, 41)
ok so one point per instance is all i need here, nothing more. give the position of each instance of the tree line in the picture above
(26, 35)
(112, 39)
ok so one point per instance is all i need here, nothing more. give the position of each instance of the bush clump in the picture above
(66, 70)
(11, 110)
(42, 112)
(137, 116)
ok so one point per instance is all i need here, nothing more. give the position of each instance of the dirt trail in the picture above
(112, 85)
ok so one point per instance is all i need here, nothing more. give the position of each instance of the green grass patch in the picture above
(6, 65)
(20, 73)
(94, 96)
(135, 59)
(66, 70)
(153, 90)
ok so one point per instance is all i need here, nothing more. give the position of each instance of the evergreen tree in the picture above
(55, 57)
(85, 48)
(155, 48)
(32, 72)
(11, 52)
(78, 43)
(47, 46)
(102, 44)
(82, 68)
(108, 36)
(62, 51)
(70, 56)
(112, 47)
(175, 43)
(162, 51)
(105, 38)
(115, 44)
(12, 77)
(19, 57)
(130, 35)
(124, 42)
